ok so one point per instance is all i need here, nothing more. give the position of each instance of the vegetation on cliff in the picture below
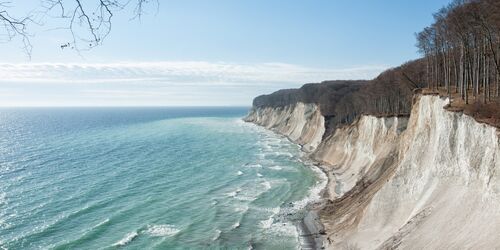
(342, 102)
(461, 60)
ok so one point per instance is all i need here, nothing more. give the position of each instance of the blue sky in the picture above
(195, 52)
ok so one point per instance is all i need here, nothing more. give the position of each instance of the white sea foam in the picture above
(245, 198)
(270, 148)
(217, 235)
(276, 167)
(241, 208)
(268, 210)
(275, 210)
(261, 156)
(266, 223)
(239, 173)
(266, 184)
(284, 153)
(253, 165)
(249, 194)
(235, 225)
(283, 230)
(101, 223)
(234, 193)
(162, 230)
(313, 194)
(278, 224)
(315, 191)
(127, 239)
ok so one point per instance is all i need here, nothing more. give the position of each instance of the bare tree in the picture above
(11, 27)
(88, 22)
(462, 47)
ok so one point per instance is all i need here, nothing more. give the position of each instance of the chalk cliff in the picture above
(427, 181)
(300, 122)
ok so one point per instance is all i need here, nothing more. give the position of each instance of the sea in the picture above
(149, 178)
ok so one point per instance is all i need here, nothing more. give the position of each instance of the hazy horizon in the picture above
(194, 53)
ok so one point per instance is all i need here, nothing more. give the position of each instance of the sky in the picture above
(212, 53)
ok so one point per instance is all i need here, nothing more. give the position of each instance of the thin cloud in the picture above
(178, 72)
(157, 83)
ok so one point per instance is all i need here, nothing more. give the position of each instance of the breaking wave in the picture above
(162, 230)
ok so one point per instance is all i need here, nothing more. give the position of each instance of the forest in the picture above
(461, 61)
(461, 50)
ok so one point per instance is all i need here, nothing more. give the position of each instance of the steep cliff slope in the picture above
(301, 123)
(354, 151)
(430, 181)
(440, 189)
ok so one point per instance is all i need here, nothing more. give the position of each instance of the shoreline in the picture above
(313, 229)
(311, 232)
(311, 226)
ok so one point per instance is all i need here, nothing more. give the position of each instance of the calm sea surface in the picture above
(146, 178)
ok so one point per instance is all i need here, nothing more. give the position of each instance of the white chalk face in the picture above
(301, 123)
(442, 163)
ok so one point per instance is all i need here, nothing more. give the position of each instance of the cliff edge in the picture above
(426, 180)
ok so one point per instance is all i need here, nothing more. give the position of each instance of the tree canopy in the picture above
(462, 49)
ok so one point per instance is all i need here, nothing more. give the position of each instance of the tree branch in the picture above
(89, 22)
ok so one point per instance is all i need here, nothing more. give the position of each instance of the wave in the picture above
(253, 165)
(276, 168)
(127, 239)
(152, 230)
(245, 198)
(241, 208)
(284, 154)
(259, 175)
(314, 192)
(162, 230)
(47, 227)
(234, 193)
(266, 184)
(283, 229)
(239, 173)
(91, 233)
(266, 224)
(278, 224)
(274, 210)
(250, 192)
(101, 223)
(261, 156)
(217, 235)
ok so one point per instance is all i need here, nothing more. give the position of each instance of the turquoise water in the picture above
(146, 178)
